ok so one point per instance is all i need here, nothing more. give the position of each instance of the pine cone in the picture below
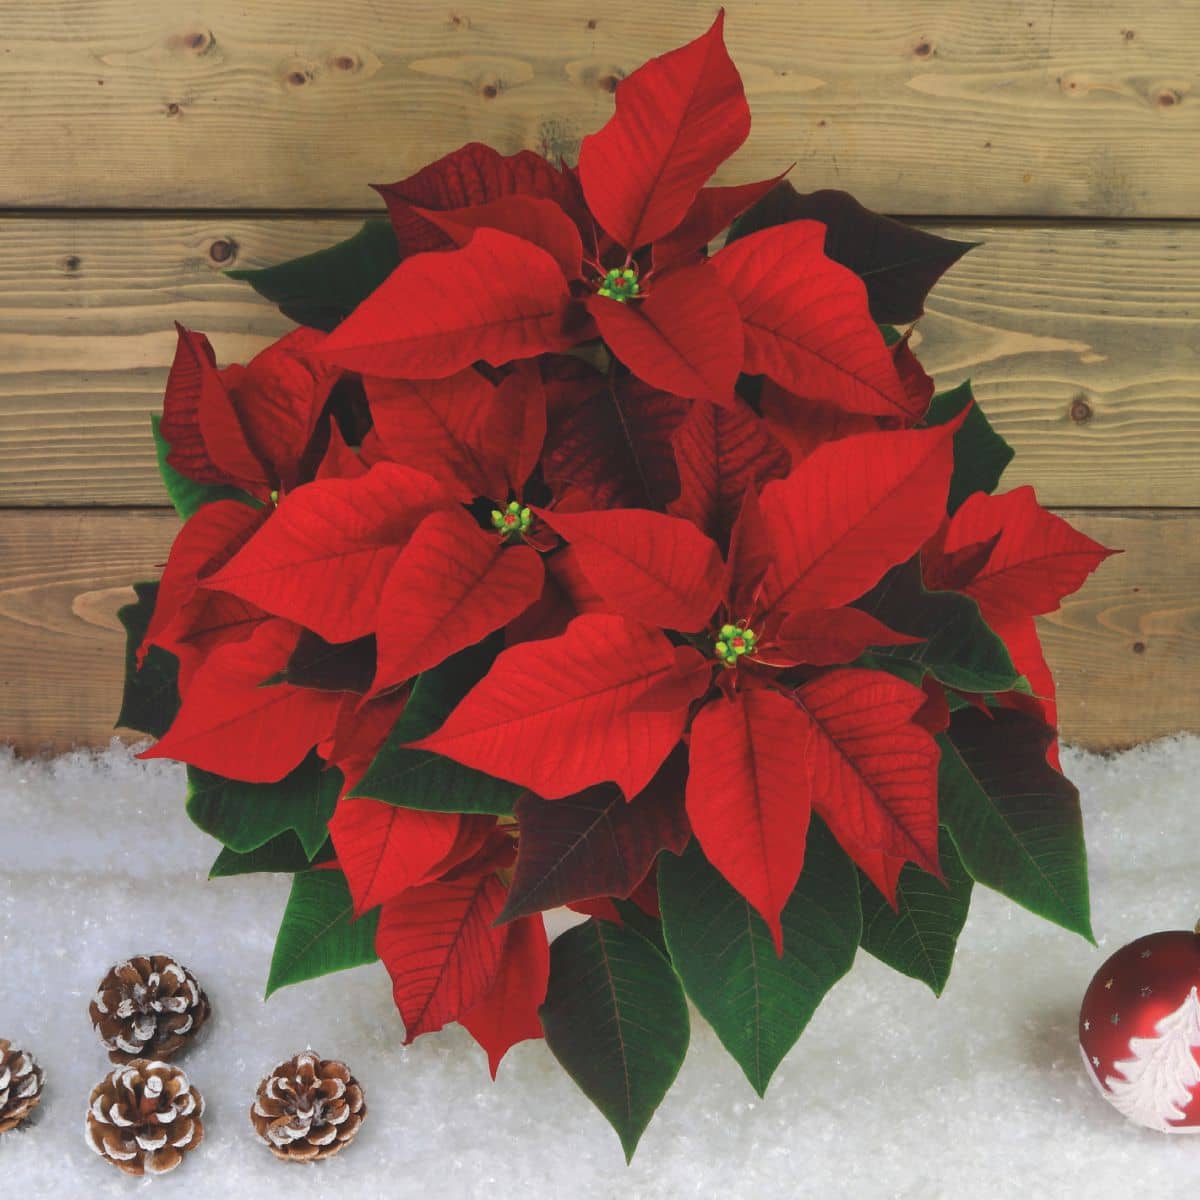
(144, 1117)
(308, 1108)
(21, 1082)
(148, 1007)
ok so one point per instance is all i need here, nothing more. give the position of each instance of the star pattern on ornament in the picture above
(1086, 1026)
(1146, 990)
(1146, 953)
(1095, 1061)
(1108, 985)
(1115, 1018)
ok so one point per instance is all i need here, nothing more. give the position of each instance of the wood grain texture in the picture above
(1042, 107)
(1126, 649)
(1083, 342)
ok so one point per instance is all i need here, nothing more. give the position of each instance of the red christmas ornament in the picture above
(1139, 1031)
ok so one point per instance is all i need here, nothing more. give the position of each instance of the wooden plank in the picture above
(1081, 339)
(1015, 106)
(1126, 650)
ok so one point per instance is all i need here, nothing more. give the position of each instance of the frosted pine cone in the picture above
(148, 1007)
(144, 1117)
(21, 1082)
(308, 1108)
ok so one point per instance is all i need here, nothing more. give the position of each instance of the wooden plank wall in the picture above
(149, 144)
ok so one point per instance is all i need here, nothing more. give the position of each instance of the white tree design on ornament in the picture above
(1158, 1080)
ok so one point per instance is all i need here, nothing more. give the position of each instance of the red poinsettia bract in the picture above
(651, 486)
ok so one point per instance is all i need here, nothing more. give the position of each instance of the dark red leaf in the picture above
(685, 337)
(555, 715)
(595, 843)
(648, 566)
(474, 174)
(496, 299)
(678, 117)
(441, 950)
(339, 461)
(720, 452)
(803, 426)
(612, 445)
(748, 796)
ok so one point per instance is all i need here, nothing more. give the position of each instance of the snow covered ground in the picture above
(890, 1093)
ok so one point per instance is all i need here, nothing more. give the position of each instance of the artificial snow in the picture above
(890, 1093)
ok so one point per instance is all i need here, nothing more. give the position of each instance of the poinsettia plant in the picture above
(561, 558)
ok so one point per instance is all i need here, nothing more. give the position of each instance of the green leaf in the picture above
(245, 816)
(283, 854)
(616, 1019)
(319, 934)
(151, 696)
(918, 938)
(959, 647)
(637, 919)
(759, 1004)
(1015, 820)
(980, 453)
(322, 289)
(186, 494)
(421, 779)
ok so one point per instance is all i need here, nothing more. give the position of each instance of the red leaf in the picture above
(516, 425)
(230, 724)
(713, 210)
(685, 337)
(340, 462)
(441, 951)
(871, 770)
(803, 426)
(567, 594)
(678, 117)
(207, 540)
(595, 843)
(1037, 560)
(555, 715)
(648, 566)
(613, 446)
(722, 451)
(918, 385)
(278, 398)
(851, 510)
(386, 850)
(883, 871)
(474, 174)
(497, 299)
(322, 559)
(359, 734)
(214, 619)
(934, 714)
(439, 426)
(508, 1014)
(199, 422)
(748, 796)
(452, 585)
(531, 218)
(807, 323)
(826, 637)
